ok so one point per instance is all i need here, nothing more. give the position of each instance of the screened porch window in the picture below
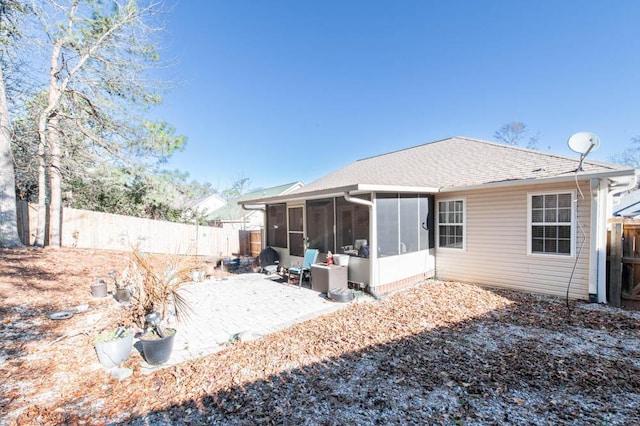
(352, 227)
(320, 224)
(551, 224)
(451, 224)
(277, 225)
(400, 220)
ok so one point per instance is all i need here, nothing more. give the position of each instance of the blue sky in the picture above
(280, 91)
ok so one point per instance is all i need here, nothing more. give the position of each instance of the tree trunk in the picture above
(55, 182)
(48, 114)
(8, 211)
(42, 184)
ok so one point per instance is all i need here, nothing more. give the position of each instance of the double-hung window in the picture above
(551, 223)
(451, 224)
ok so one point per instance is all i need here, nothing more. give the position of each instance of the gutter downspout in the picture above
(355, 200)
(369, 289)
(613, 192)
(607, 192)
(605, 195)
(601, 240)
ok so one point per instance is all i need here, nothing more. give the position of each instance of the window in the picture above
(551, 223)
(451, 224)
(296, 234)
(320, 224)
(276, 225)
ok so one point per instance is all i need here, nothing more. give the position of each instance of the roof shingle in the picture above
(454, 162)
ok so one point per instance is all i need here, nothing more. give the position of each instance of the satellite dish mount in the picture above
(583, 143)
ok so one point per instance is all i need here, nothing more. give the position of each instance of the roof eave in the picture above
(367, 188)
(544, 180)
(339, 191)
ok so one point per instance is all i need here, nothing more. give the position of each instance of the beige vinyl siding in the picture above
(496, 244)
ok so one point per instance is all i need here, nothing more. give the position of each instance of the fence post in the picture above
(615, 265)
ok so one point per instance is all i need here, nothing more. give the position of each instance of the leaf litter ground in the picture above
(439, 353)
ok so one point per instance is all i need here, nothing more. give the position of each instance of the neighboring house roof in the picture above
(233, 211)
(629, 205)
(270, 192)
(207, 200)
(454, 162)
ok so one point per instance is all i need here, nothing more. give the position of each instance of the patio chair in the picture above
(310, 257)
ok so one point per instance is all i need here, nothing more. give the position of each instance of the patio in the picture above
(245, 307)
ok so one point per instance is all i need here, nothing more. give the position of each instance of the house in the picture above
(457, 209)
(205, 205)
(233, 216)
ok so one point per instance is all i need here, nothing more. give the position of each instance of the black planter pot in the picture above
(158, 350)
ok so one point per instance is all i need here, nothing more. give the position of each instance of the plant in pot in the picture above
(156, 296)
(114, 346)
(123, 291)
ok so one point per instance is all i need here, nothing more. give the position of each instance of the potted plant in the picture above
(123, 291)
(113, 347)
(155, 298)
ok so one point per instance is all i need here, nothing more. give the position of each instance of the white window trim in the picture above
(574, 213)
(464, 223)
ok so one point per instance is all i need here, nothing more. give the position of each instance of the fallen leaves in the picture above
(439, 353)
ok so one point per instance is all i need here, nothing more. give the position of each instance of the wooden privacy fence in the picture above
(623, 256)
(89, 229)
(250, 243)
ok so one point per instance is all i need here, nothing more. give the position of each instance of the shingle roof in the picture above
(454, 162)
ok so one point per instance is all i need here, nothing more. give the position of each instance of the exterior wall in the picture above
(496, 244)
(401, 284)
(210, 204)
(397, 268)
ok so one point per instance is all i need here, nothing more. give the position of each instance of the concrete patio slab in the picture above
(252, 305)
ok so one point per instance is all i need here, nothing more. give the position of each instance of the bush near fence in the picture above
(96, 230)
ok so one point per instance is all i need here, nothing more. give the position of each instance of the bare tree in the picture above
(8, 212)
(516, 133)
(630, 156)
(97, 84)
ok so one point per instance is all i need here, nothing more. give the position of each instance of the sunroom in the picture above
(351, 222)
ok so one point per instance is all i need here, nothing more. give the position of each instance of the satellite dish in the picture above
(583, 142)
